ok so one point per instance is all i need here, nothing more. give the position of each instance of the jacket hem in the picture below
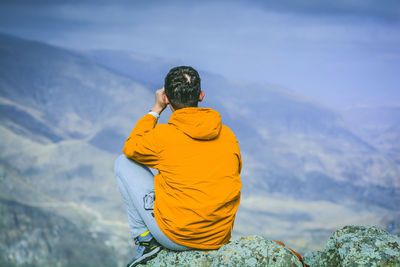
(183, 243)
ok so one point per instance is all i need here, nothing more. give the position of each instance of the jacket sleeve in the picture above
(141, 145)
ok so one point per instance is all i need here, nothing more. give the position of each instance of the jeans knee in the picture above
(117, 164)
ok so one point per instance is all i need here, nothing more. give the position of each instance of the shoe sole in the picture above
(145, 257)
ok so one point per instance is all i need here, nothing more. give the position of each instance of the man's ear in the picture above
(165, 99)
(201, 96)
(166, 102)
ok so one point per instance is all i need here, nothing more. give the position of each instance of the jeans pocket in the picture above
(148, 200)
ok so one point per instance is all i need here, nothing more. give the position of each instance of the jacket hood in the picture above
(198, 123)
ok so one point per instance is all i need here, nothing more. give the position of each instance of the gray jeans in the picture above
(136, 184)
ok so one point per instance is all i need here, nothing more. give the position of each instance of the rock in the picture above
(358, 246)
(247, 251)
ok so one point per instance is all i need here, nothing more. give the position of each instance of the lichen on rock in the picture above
(358, 246)
(246, 251)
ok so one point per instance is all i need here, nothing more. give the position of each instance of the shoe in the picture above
(147, 250)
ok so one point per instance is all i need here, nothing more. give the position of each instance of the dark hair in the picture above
(182, 87)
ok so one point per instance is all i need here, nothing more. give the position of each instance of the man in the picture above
(191, 203)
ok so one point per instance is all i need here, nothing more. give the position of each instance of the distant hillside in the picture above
(64, 117)
(33, 237)
(50, 93)
(146, 70)
(379, 125)
(61, 115)
(305, 150)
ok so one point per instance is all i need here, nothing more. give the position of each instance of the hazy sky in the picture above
(341, 53)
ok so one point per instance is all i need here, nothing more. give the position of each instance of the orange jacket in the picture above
(198, 185)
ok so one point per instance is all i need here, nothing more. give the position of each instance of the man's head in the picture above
(182, 87)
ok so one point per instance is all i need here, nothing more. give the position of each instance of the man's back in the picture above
(198, 186)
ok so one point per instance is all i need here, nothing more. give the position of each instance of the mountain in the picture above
(45, 239)
(147, 70)
(55, 116)
(380, 125)
(65, 116)
(51, 94)
(303, 149)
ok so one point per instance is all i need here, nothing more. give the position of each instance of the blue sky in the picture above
(340, 53)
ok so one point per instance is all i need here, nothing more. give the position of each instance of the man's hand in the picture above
(160, 105)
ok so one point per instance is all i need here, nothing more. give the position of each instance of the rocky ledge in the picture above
(358, 246)
(349, 246)
(246, 251)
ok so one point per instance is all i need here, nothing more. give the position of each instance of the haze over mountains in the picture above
(64, 118)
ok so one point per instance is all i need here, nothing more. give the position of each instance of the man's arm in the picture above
(239, 156)
(141, 145)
